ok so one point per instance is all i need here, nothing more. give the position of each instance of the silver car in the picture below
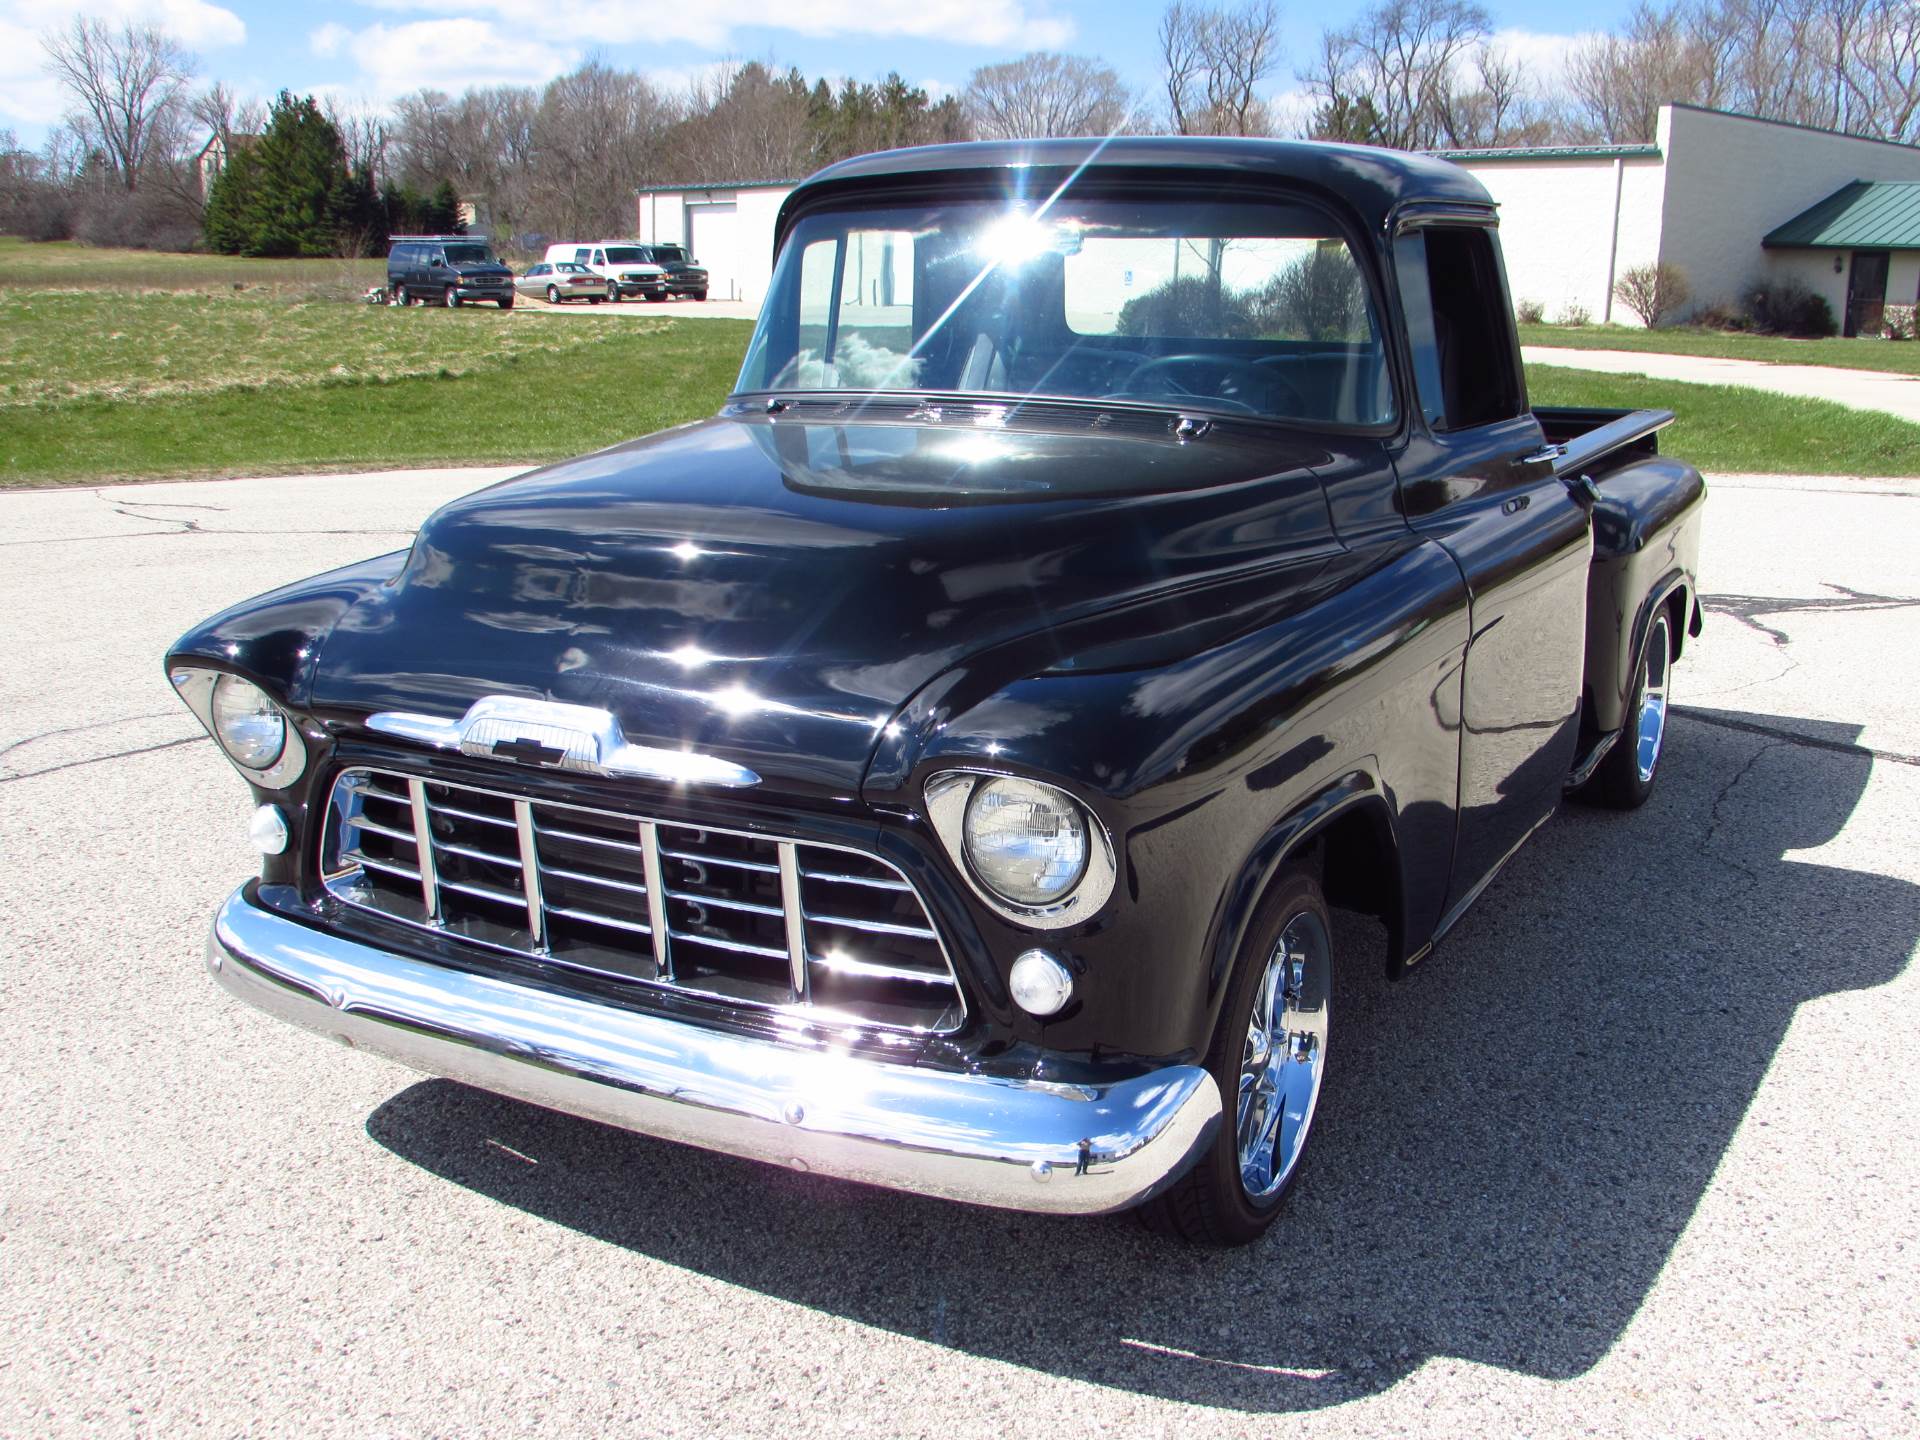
(565, 280)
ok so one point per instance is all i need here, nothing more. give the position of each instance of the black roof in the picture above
(1372, 180)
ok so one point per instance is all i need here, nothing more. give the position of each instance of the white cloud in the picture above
(1002, 23)
(1542, 55)
(450, 54)
(28, 95)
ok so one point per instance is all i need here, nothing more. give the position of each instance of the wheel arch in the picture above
(1346, 830)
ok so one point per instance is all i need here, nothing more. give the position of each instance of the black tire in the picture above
(1625, 778)
(398, 298)
(507, 303)
(452, 298)
(658, 299)
(699, 294)
(1211, 1204)
(553, 294)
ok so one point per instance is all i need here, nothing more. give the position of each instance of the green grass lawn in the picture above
(1728, 429)
(1897, 356)
(102, 385)
(65, 265)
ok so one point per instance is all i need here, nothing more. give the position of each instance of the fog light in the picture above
(268, 830)
(1041, 984)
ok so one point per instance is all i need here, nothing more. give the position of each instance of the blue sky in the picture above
(377, 49)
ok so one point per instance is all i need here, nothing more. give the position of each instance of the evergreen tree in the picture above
(291, 194)
(223, 221)
(443, 210)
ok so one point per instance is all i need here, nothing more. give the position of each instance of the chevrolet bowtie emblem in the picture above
(529, 751)
(556, 736)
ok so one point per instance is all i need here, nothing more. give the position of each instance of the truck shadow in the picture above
(1514, 1139)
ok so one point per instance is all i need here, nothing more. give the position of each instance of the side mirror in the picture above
(438, 261)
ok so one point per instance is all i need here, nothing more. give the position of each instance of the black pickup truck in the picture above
(935, 769)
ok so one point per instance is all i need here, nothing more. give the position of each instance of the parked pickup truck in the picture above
(935, 769)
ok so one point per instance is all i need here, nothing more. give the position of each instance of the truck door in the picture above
(1479, 478)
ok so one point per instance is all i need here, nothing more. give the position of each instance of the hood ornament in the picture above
(553, 736)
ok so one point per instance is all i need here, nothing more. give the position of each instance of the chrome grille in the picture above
(835, 934)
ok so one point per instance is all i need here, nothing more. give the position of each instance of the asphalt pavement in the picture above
(1633, 1154)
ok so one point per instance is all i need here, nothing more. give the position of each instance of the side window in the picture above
(816, 308)
(599, 257)
(403, 254)
(875, 333)
(582, 255)
(1456, 307)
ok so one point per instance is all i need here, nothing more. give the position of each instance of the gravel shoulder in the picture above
(1632, 1154)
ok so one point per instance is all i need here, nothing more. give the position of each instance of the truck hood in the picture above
(771, 592)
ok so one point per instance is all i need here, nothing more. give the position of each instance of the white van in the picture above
(624, 263)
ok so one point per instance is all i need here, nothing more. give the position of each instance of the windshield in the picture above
(626, 255)
(470, 255)
(1243, 308)
(669, 254)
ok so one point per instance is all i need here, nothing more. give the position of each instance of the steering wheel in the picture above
(1226, 371)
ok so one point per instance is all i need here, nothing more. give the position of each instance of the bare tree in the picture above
(1213, 62)
(745, 122)
(1401, 64)
(1047, 94)
(592, 141)
(128, 86)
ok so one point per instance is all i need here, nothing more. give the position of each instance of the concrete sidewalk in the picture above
(1897, 395)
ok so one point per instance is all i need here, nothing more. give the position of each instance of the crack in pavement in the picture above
(1747, 609)
(1720, 798)
(406, 532)
(8, 749)
(1793, 737)
(101, 759)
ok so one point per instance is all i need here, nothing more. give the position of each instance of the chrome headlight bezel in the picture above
(948, 795)
(196, 685)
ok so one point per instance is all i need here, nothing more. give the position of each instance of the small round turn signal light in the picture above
(1041, 984)
(268, 830)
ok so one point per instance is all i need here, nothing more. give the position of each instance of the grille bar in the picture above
(834, 934)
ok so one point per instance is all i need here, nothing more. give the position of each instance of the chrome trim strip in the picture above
(581, 738)
(976, 1138)
(658, 927)
(530, 874)
(796, 920)
(423, 849)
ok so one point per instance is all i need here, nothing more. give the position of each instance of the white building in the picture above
(1704, 196)
(727, 228)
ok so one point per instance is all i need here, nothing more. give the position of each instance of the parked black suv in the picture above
(685, 275)
(446, 270)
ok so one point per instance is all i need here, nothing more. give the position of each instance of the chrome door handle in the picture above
(1545, 455)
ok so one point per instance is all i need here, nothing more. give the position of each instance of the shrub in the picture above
(1653, 292)
(1721, 315)
(1781, 305)
(1574, 313)
(1897, 322)
(1530, 312)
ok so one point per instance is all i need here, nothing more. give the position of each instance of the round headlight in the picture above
(1026, 841)
(247, 724)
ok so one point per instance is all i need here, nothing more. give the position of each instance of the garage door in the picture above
(713, 238)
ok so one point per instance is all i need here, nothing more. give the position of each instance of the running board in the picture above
(1589, 763)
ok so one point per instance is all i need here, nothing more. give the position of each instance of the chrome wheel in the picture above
(1650, 722)
(1285, 1056)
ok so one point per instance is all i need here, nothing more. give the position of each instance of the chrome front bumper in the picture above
(975, 1138)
